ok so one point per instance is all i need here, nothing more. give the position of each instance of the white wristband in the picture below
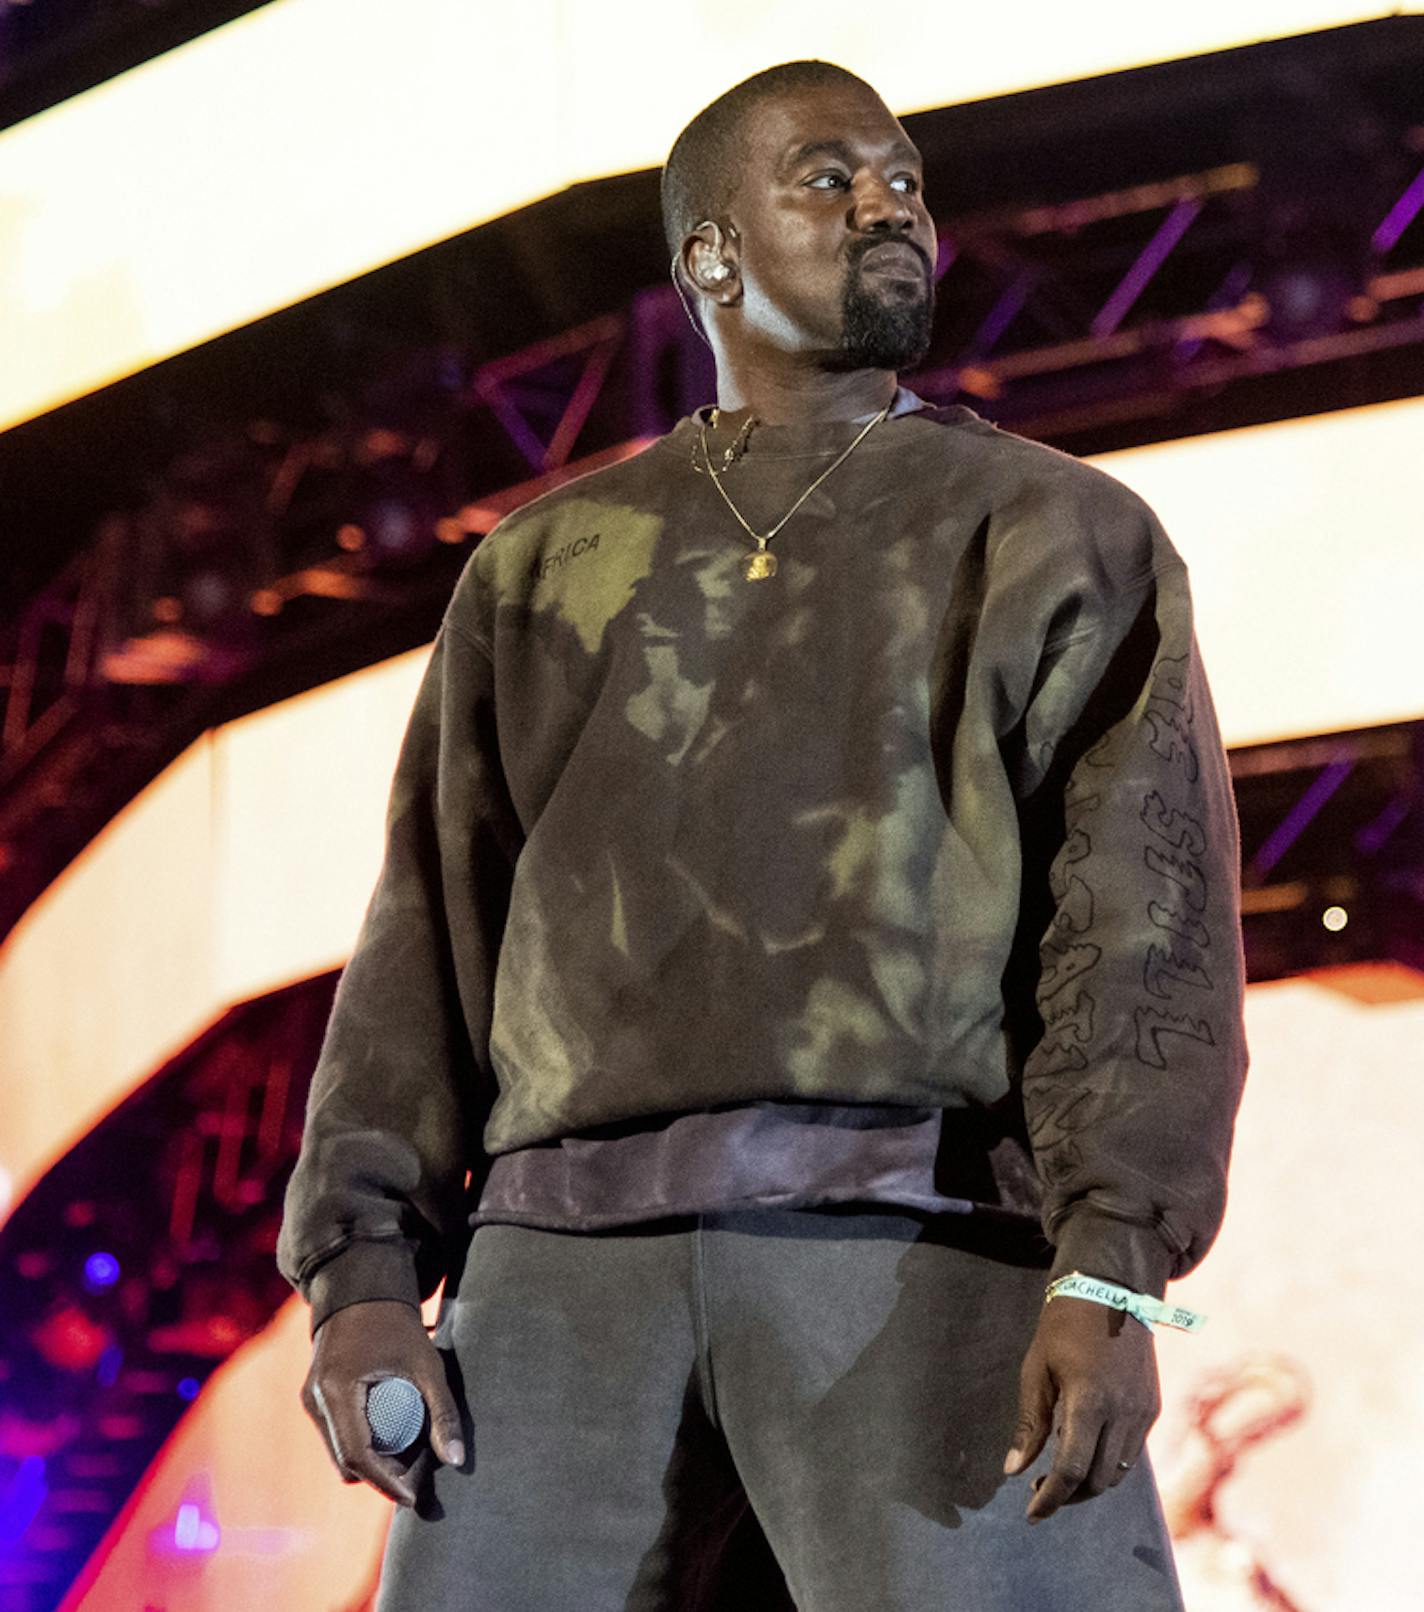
(1140, 1306)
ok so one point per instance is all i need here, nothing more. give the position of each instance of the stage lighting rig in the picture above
(197, 549)
(1332, 833)
(398, 498)
(1322, 185)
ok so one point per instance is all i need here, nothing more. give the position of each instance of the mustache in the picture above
(858, 250)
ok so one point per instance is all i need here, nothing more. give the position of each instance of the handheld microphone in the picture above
(395, 1410)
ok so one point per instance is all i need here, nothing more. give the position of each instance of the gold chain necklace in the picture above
(763, 562)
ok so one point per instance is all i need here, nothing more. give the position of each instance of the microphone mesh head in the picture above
(396, 1412)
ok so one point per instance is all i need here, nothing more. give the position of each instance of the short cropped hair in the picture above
(701, 173)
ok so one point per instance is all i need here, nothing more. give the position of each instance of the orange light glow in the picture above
(1309, 1309)
(1305, 542)
(245, 865)
(289, 1532)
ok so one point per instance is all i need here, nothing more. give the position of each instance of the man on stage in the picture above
(807, 953)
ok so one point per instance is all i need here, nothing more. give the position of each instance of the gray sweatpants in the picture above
(675, 1415)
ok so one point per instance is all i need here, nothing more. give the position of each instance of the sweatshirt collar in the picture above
(792, 441)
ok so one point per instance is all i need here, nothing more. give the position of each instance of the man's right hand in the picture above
(356, 1347)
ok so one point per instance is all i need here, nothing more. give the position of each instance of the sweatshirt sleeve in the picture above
(1131, 1093)
(403, 1082)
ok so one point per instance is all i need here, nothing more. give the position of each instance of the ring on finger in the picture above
(1124, 1466)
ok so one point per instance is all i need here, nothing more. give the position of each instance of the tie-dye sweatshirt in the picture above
(936, 816)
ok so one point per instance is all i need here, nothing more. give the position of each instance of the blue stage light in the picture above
(21, 1499)
(101, 1270)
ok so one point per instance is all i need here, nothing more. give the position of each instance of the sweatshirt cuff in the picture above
(1113, 1250)
(361, 1271)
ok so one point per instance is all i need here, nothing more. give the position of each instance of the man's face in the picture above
(836, 246)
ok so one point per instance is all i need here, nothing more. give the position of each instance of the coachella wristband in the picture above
(1140, 1306)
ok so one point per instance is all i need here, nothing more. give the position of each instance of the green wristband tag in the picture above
(1141, 1307)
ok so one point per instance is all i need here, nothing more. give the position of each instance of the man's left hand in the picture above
(1099, 1368)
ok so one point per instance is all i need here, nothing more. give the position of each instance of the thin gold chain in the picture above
(761, 539)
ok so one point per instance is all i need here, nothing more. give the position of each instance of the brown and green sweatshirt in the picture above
(936, 818)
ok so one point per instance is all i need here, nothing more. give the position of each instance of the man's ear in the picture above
(709, 262)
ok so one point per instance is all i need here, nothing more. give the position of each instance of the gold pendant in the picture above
(759, 565)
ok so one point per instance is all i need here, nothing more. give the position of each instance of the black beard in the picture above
(884, 332)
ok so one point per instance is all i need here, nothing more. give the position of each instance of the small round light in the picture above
(395, 526)
(101, 1270)
(188, 1388)
(1335, 919)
